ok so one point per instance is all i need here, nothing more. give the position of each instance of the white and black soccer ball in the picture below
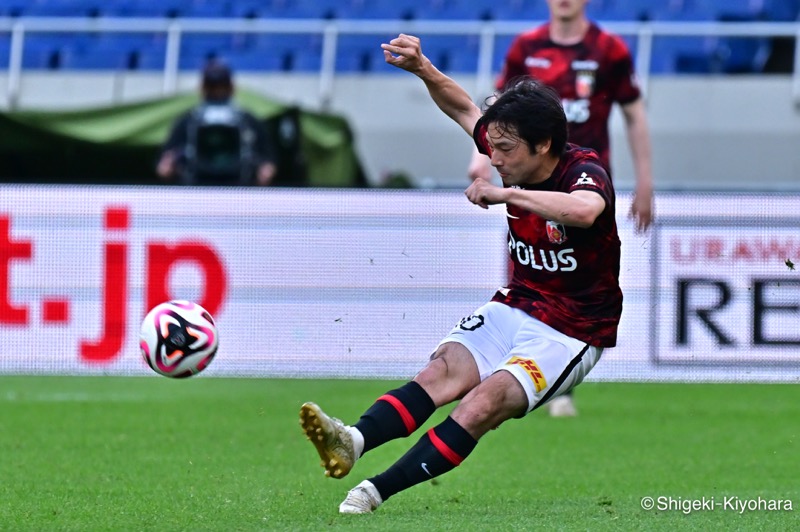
(178, 339)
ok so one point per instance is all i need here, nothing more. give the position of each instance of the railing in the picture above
(644, 32)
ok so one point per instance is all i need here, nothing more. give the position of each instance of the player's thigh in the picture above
(489, 334)
(548, 363)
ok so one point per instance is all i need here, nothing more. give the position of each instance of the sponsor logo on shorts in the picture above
(530, 367)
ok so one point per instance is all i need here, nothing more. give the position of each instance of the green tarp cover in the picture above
(120, 144)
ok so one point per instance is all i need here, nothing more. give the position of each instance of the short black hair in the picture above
(533, 111)
(218, 74)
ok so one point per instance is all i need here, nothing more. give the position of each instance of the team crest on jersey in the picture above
(584, 83)
(556, 232)
(533, 371)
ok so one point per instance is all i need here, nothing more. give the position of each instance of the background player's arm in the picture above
(405, 52)
(578, 209)
(639, 141)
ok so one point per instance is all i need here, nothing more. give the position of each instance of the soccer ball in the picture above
(178, 339)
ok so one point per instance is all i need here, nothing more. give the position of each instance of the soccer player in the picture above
(539, 336)
(591, 69)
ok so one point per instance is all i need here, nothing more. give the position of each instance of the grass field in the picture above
(225, 454)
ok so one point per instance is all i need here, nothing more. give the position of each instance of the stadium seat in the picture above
(5, 49)
(48, 51)
(781, 10)
(114, 52)
(521, 10)
(197, 48)
(281, 9)
(501, 45)
(452, 10)
(359, 53)
(290, 50)
(741, 55)
(452, 53)
(623, 10)
(256, 62)
(673, 55)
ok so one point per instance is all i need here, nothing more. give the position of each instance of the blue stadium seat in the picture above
(152, 58)
(782, 10)
(49, 50)
(281, 9)
(452, 53)
(673, 55)
(738, 55)
(452, 10)
(116, 52)
(13, 8)
(683, 13)
(286, 52)
(209, 9)
(623, 10)
(742, 9)
(501, 46)
(144, 9)
(5, 50)
(521, 10)
(196, 48)
(359, 53)
(255, 61)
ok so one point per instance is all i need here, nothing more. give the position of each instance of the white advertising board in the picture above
(348, 283)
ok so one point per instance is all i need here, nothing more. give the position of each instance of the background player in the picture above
(591, 69)
(539, 336)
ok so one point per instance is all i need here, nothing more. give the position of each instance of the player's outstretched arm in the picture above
(579, 208)
(405, 51)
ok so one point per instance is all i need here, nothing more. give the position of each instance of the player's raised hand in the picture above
(404, 51)
(483, 193)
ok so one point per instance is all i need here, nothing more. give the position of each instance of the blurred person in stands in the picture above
(591, 69)
(217, 142)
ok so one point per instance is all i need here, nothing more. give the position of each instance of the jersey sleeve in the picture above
(623, 84)
(590, 176)
(514, 63)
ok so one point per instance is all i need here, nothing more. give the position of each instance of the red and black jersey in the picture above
(566, 276)
(590, 76)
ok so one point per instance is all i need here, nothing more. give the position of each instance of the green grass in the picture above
(224, 454)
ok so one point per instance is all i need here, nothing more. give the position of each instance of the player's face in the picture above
(566, 10)
(512, 157)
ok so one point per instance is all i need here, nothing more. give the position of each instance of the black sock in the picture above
(395, 414)
(441, 449)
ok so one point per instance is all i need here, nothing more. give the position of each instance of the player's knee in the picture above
(449, 375)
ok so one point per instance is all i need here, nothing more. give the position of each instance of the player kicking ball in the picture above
(538, 337)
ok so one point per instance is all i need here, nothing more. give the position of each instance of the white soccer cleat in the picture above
(562, 406)
(331, 439)
(361, 500)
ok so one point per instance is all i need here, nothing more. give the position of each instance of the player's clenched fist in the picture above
(483, 193)
(404, 51)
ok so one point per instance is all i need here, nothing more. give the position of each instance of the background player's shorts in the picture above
(546, 362)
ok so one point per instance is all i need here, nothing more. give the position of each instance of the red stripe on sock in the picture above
(449, 454)
(405, 415)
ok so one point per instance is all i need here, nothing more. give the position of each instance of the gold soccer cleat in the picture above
(331, 439)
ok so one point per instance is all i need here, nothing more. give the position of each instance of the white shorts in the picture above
(546, 362)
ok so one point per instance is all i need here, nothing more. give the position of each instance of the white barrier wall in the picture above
(365, 283)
